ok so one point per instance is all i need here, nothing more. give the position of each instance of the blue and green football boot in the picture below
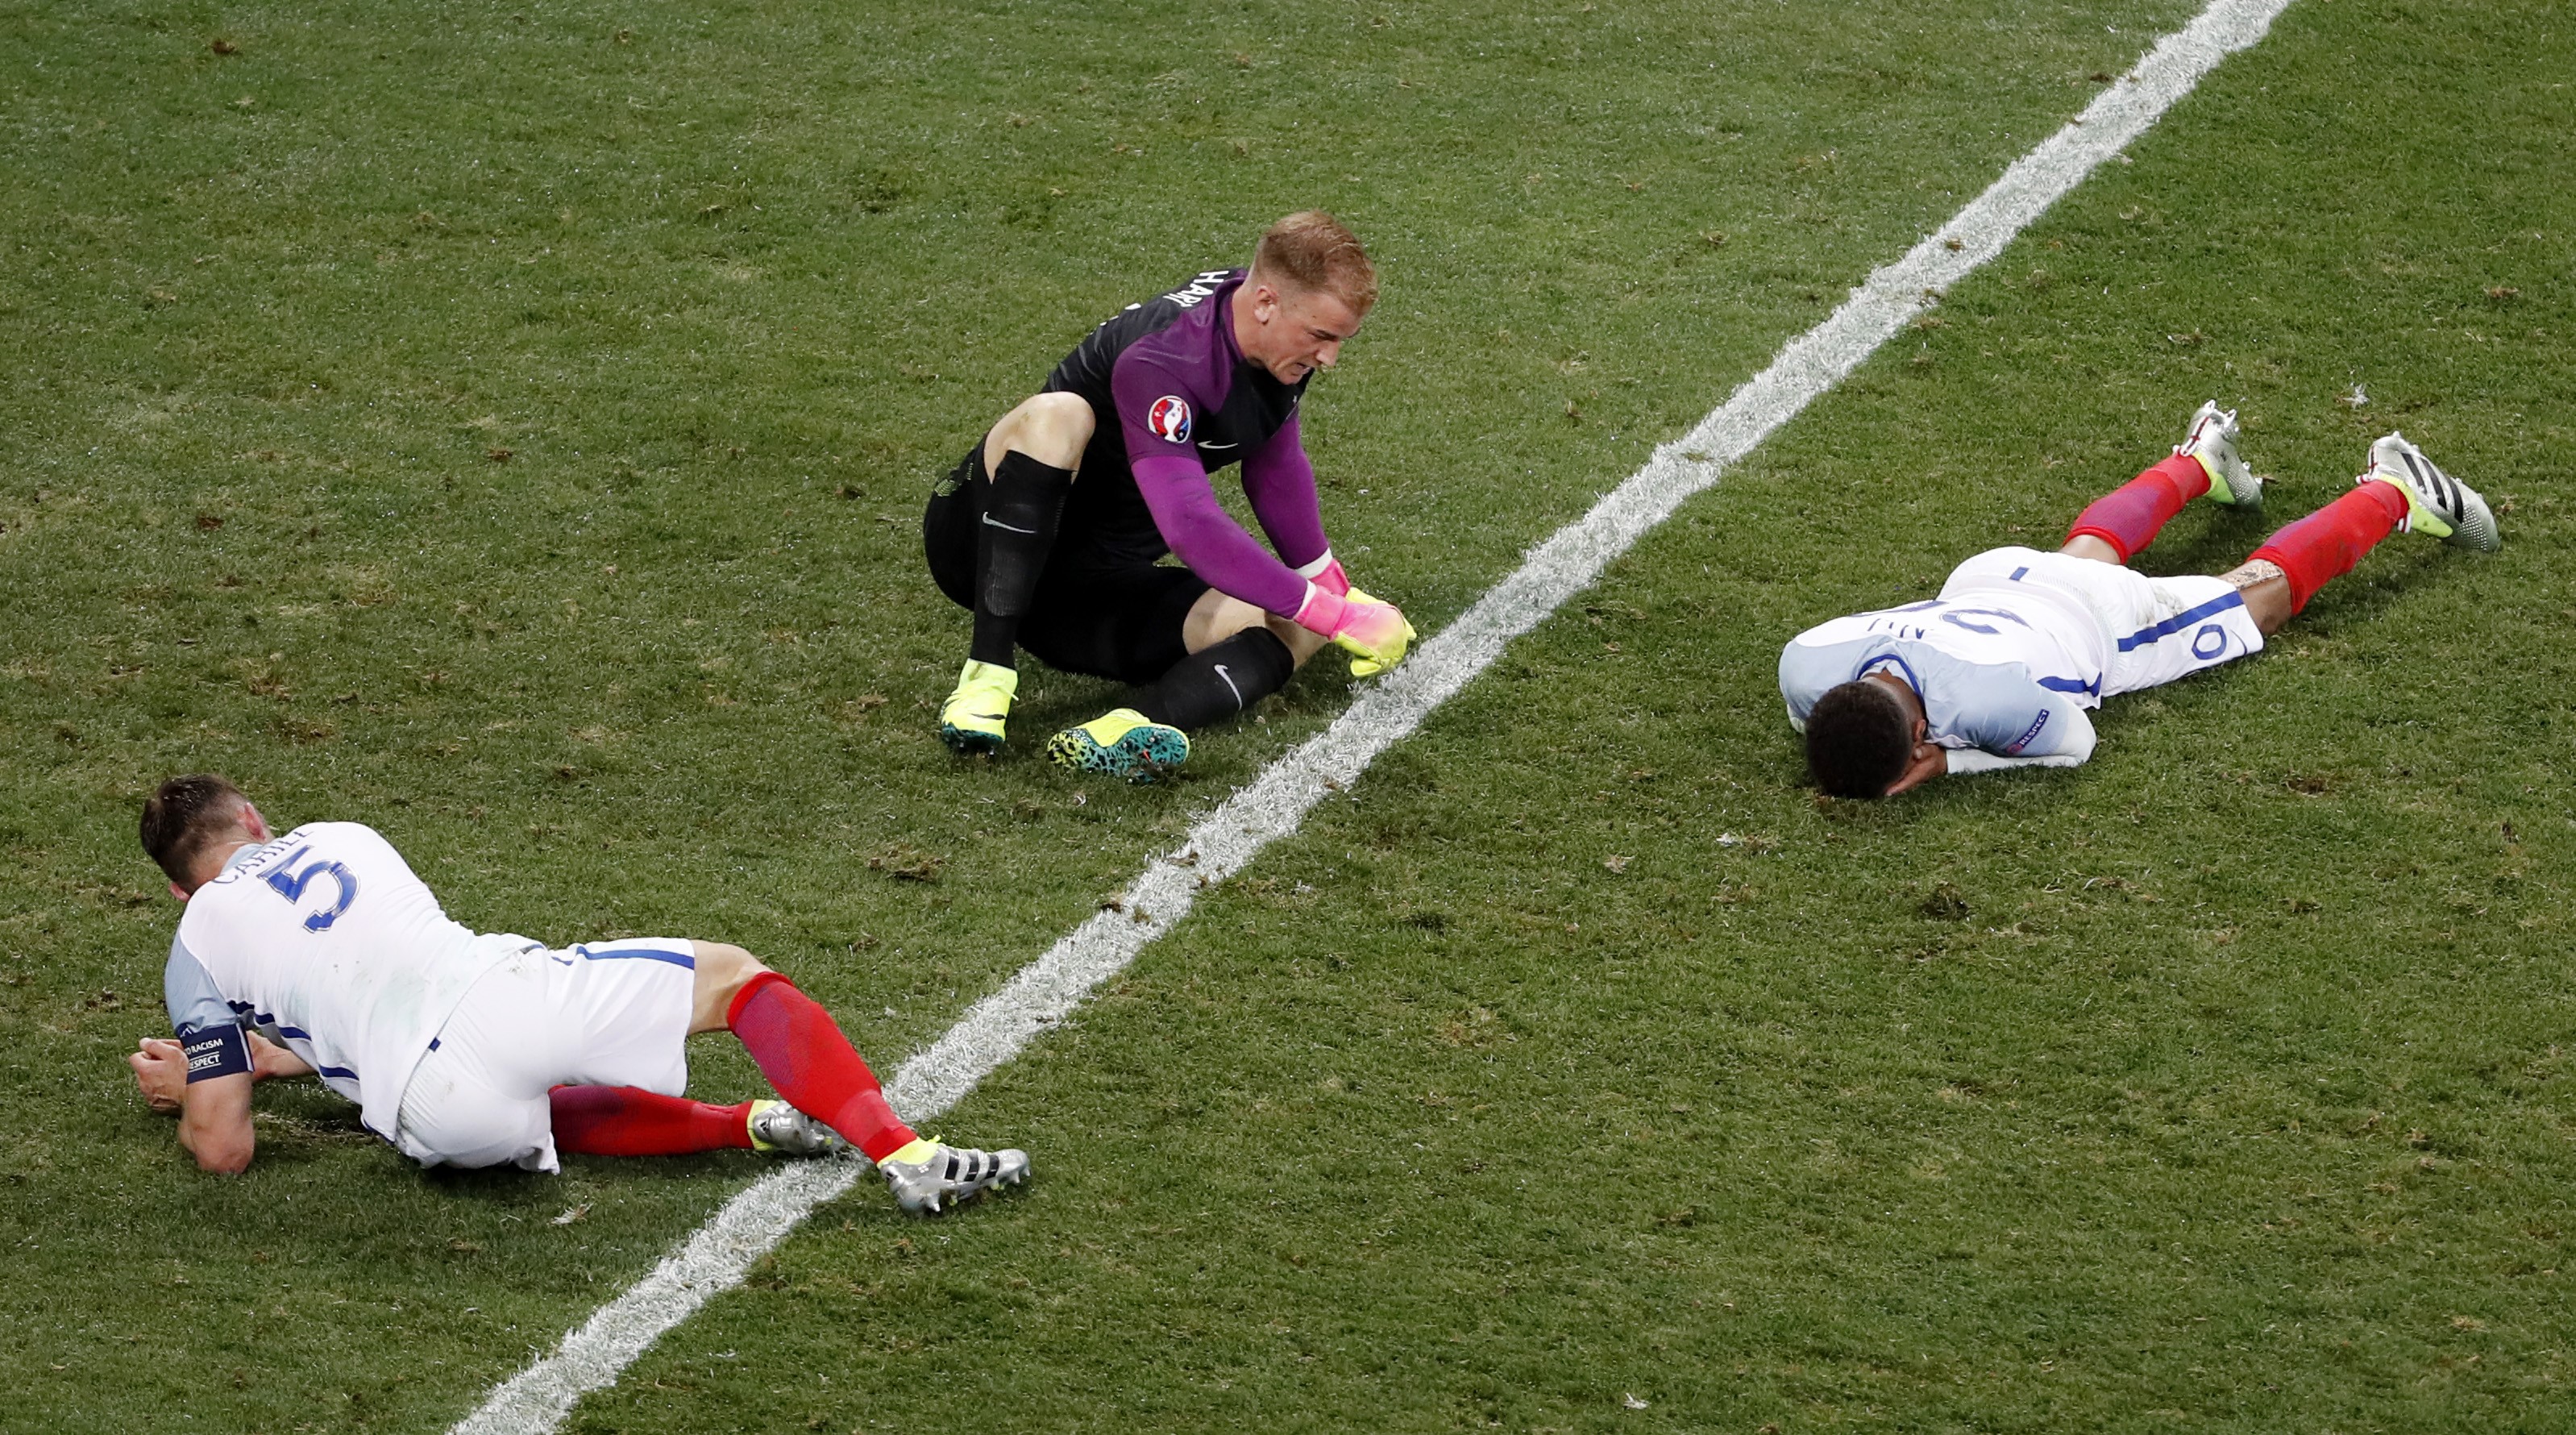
(1121, 743)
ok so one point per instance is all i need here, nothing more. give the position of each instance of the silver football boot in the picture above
(2212, 440)
(777, 1126)
(930, 1177)
(2436, 503)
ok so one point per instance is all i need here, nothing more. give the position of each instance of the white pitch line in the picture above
(1047, 990)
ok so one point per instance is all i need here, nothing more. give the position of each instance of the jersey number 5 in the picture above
(290, 884)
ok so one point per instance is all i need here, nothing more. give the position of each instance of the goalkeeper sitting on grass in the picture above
(1999, 670)
(1051, 528)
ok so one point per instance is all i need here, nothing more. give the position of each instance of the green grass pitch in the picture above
(507, 424)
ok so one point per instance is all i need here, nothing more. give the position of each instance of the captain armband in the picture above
(214, 1051)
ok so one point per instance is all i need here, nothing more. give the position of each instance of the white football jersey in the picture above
(2006, 673)
(325, 937)
(2019, 644)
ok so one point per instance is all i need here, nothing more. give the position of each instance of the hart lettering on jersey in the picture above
(1199, 290)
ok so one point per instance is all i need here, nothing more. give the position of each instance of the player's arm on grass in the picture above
(205, 1075)
(268, 1061)
(2021, 724)
(215, 1125)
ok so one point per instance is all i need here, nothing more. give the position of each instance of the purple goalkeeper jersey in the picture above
(1171, 398)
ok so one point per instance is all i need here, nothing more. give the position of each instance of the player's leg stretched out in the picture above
(2400, 491)
(833, 1100)
(2001, 668)
(631, 1121)
(1237, 655)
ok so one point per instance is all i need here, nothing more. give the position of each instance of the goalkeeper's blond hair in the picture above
(1311, 250)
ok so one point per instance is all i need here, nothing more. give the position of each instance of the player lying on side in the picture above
(1999, 670)
(1050, 528)
(469, 1050)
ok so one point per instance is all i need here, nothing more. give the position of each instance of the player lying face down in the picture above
(319, 953)
(1999, 670)
(1050, 528)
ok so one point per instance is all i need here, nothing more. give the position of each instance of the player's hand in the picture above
(1361, 625)
(161, 1070)
(1370, 664)
(269, 1060)
(1930, 760)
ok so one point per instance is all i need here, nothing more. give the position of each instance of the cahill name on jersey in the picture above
(326, 939)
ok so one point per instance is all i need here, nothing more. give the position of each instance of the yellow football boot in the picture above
(971, 720)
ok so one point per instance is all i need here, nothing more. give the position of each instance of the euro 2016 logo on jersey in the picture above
(1169, 418)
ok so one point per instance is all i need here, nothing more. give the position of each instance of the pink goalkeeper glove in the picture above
(1374, 633)
(1369, 667)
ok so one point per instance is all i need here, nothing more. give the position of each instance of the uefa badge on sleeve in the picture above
(1169, 418)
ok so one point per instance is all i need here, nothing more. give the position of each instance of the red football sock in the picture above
(801, 1050)
(2129, 517)
(2324, 545)
(630, 1121)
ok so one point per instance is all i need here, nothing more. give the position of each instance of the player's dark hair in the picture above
(184, 816)
(1312, 250)
(1858, 739)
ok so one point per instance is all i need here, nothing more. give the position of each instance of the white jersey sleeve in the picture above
(2064, 739)
(210, 1032)
(2003, 712)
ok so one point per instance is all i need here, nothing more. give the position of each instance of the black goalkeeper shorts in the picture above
(1097, 612)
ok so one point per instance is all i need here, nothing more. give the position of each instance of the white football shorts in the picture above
(595, 1014)
(2154, 630)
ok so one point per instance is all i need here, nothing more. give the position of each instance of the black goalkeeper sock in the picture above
(1219, 681)
(1016, 530)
